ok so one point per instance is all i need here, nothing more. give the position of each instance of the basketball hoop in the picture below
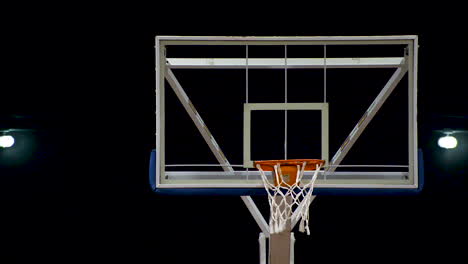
(287, 195)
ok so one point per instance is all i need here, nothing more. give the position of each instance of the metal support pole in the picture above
(263, 248)
(291, 249)
(280, 243)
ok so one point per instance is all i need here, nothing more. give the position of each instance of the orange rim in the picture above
(268, 165)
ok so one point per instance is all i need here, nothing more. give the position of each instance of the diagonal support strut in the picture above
(360, 126)
(213, 145)
(366, 118)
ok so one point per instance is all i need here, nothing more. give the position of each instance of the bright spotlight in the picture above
(448, 142)
(6, 141)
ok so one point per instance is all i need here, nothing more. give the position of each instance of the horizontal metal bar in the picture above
(202, 165)
(282, 43)
(241, 166)
(287, 38)
(286, 106)
(397, 185)
(368, 166)
(320, 40)
(255, 175)
(277, 63)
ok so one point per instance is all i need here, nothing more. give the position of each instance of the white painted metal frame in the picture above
(292, 63)
(251, 179)
(412, 109)
(163, 71)
(410, 63)
(322, 40)
(248, 108)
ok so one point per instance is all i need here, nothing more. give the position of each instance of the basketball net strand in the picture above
(282, 210)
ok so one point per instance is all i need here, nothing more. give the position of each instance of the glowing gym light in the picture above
(447, 142)
(6, 141)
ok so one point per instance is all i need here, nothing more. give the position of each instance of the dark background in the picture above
(75, 188)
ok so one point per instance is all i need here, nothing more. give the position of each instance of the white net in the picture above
(289, 202)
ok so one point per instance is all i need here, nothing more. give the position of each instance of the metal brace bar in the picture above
(360, 126)
(295, 216)
(196, 118)
(366, 118)
(257, 215)
(327, 40)
(276, 63)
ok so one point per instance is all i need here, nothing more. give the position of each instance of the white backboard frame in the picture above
(405, 65)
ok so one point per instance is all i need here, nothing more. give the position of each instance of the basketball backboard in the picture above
(224, 102)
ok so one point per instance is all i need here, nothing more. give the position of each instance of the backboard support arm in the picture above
(197, 120)
(213, 145)
(366, 118)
